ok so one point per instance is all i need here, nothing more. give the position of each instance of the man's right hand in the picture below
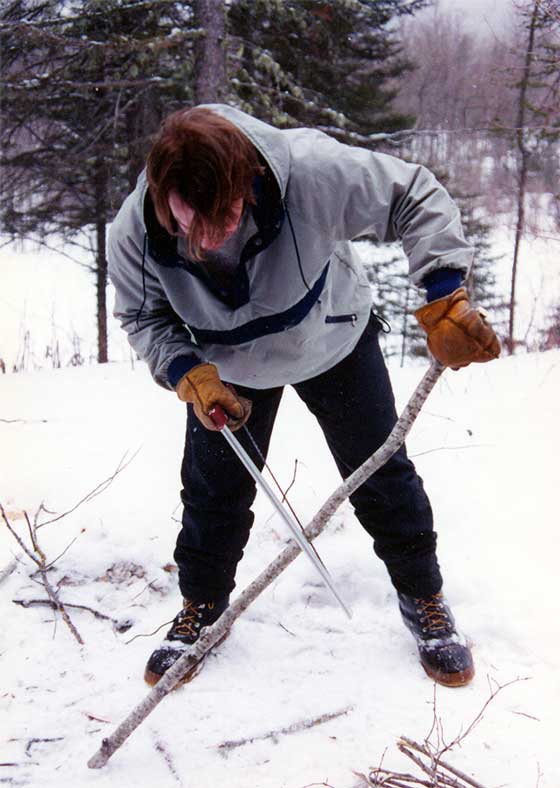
(202, 386)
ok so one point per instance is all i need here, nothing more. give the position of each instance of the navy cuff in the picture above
(442, 282)
(180, 366)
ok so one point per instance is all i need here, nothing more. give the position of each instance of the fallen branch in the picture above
(36, 553)
(428, 756)
(186, 666)
(120, 626)
(406, 743)
(296, 727)
(39, 558)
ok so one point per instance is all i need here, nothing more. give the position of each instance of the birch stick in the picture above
(187, 664)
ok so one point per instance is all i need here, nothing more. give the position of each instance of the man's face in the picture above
(213, 237)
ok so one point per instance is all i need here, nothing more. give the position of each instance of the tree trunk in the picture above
(101, 208)
(210, 61)
(101, 286)
(523, 165)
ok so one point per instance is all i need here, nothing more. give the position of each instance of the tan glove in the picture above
(458, 333)
(202, 386)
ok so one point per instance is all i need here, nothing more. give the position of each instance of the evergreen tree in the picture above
(315, 63)
(83, 86)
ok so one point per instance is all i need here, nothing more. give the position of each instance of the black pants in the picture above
(354, 405)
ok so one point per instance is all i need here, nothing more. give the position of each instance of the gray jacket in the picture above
(300, 299)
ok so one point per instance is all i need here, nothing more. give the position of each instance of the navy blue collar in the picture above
(268, 214)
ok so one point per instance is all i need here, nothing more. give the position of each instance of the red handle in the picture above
(218, 416)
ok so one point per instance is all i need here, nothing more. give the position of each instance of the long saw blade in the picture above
(218, 417)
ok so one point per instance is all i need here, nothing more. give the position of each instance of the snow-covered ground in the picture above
(486, 446)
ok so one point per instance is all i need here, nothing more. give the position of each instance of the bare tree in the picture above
(523, 154)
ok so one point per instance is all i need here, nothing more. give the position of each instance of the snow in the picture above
(485, 445)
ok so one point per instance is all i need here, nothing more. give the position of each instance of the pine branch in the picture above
(186, 666)
(65, 20)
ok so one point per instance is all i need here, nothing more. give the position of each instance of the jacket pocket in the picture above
(351, 318)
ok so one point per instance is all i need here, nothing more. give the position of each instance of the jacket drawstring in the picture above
(285, 205)
(139, 313)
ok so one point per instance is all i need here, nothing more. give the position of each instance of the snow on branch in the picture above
(399, 137)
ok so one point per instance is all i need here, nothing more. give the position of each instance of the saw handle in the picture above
(218, 416)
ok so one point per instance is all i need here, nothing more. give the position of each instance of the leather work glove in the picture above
(202, 386)
(458, 333)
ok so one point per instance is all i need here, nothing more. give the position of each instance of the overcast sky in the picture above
(490, 15)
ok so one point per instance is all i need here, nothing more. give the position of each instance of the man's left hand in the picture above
(458, 333)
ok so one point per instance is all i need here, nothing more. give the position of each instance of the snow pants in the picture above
(354, 405)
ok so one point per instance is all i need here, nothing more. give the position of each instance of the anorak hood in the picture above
(271, 143)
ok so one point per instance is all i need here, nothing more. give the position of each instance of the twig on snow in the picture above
(440, 772)
(406, 745)
(119, 625)
(524, 714)
(100, 488)
(291, 484)
(296, 727)
(186, 666)
(450, 448)
(36, 553)
(8, 570)
(38, 557)
(162, 749)
(38, 740)
(24, 421)
(148, 634)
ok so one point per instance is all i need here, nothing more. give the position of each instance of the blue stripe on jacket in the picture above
(262, 326)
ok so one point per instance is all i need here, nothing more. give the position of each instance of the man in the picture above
(232, 262)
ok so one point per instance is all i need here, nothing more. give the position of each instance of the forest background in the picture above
(84, 86)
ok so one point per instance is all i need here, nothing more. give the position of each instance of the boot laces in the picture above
(188, 620)
(433, 614)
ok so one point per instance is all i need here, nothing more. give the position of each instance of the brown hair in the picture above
(209, 162)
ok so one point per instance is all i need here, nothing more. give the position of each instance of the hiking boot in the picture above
(185, 631)
(444, 653)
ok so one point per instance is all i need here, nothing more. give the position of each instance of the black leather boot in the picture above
(185, 631)
(444, 653)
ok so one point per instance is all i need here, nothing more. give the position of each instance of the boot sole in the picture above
(459, 679)
(152, 678)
